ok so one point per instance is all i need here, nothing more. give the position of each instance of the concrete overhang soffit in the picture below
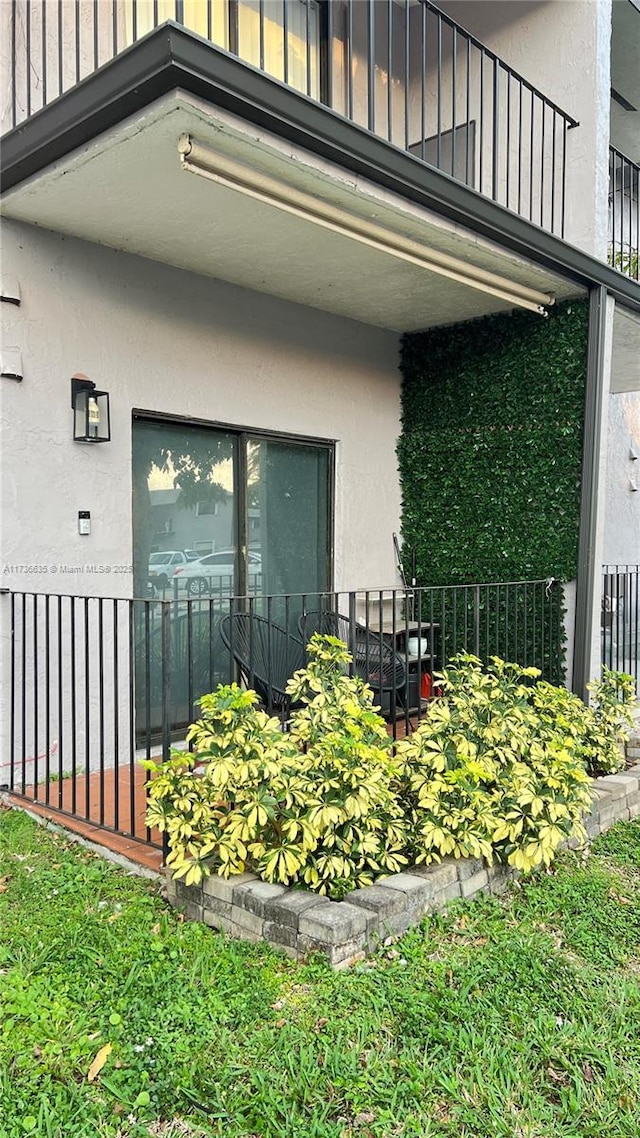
(171, 59)
(275, 218)
(204, 161)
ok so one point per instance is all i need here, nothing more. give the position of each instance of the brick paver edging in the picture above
(298, 921)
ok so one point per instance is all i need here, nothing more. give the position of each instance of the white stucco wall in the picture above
(622, 510)
(47, 33)
(163, 340)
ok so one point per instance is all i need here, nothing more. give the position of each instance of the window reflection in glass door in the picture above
(281, 37)
(222, 520)
(184, 490)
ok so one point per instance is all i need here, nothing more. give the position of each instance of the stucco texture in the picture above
(163, 340)
(622, 508)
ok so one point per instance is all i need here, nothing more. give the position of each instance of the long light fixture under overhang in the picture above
(202, 160)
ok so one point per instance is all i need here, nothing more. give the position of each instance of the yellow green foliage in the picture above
(350, 764)
(317, 804)
(610, 717)
(595, 732)
(495, 768)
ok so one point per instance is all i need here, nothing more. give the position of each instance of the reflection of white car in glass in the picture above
(216, 573)
(163, 565)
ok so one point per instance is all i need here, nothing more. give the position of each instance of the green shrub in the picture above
(496, 769)
(595, 732)
(614, 697)
(318, 804)
(241, 802)
(351, 767)
(492, 770)
(626, 261)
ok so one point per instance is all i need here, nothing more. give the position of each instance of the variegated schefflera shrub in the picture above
(610, 718)
(351, 766)
(317, 805)
(497, 767)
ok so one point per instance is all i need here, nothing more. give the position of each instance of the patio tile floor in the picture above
(102, 799)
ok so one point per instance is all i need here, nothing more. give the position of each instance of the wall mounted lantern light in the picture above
(91, 422)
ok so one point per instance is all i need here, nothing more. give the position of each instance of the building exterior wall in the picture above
(622, 509)
(162, 340)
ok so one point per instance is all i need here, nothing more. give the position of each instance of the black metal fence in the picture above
(621, 619)
(405, 71)
(624, 213)
(75, 716)
(97, 683)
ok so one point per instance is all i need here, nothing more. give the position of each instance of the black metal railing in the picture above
(624, 214)
(75, 721)
(621, 619)
(405, 71)
(97, 684)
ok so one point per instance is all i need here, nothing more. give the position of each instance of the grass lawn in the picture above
(512, 1017)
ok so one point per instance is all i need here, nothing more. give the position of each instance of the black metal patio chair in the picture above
(374, 660)
(266, 654)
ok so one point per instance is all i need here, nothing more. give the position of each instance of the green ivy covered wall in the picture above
(491, 447)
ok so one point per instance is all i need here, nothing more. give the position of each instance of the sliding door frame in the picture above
(244, 436)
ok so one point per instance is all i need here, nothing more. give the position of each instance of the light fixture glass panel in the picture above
(80, 415)
(91, 417)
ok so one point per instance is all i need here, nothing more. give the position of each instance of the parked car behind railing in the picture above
(163, 564)
(213, 571)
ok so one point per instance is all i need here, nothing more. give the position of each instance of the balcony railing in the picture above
(621, 619)
(405, 71)
(97, 684)
(624, 214)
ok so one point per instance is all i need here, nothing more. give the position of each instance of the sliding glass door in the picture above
(288, 513)
(281, 37)
(184, 506)
(223, 520)
(218, 512)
